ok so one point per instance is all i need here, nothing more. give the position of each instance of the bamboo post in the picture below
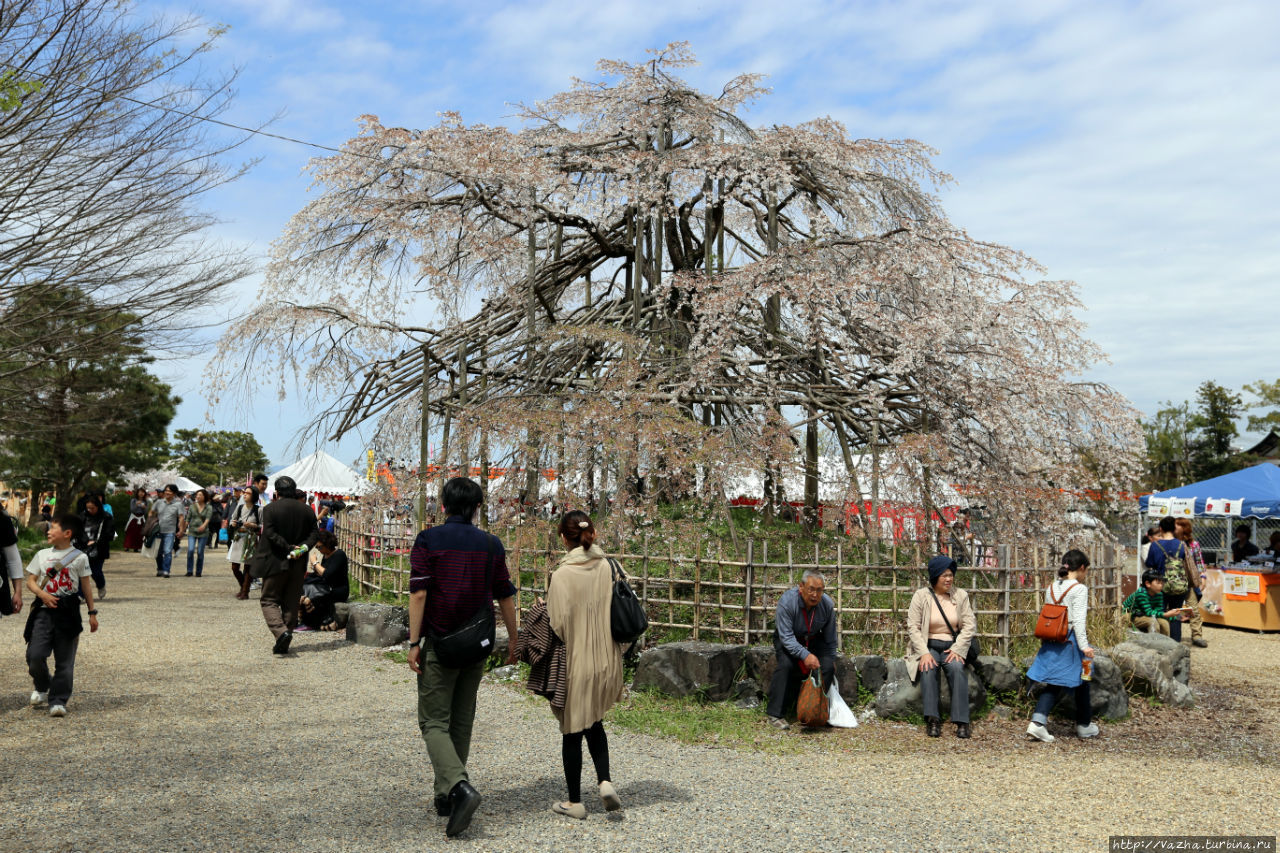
(1004, 616)
(748, 579)
(840, 592)
(697, 591)
(720, 584)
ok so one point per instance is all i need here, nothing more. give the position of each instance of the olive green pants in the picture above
(446, 710)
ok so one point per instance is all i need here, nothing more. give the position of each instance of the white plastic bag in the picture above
(839, 714)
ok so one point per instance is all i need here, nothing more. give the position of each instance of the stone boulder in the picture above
(1147, 671)
(761, 662)
(689, 668)
(899, 697)
(1108, 697)
(746, 693)
(999, 674)
(846, 673)
(500, 643)
(1178, 655)
(340, 614)
(872, 671)
(377, 625)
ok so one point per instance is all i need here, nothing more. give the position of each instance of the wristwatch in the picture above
(93, 612)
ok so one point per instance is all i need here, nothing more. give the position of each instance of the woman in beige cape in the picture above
(578, 605)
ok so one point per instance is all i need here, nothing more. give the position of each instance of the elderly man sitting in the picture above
(804, 639)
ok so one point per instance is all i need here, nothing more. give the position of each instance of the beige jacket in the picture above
(918, 615)
(578, 605)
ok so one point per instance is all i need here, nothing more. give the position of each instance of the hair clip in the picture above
(584, 524)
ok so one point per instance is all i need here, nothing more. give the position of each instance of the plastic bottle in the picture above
(1086, 670)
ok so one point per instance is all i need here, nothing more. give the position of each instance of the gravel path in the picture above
(186, 733)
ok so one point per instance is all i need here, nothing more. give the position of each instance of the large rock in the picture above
(1144, 669)
(898, 697)
(761, 661)
(846, 672)
(999, 674)
(1178, 655)
(1108, 698)
(872, 671)
(377, 624)
(340, 614)
(1149, 671)
(689, 668)
(500, 643)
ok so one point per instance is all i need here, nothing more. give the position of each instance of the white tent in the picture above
(185, 485)
(320, 472)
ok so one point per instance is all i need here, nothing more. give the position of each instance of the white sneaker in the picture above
(1039, 732)
(57, 710)
(38, 698)
(1090, 730)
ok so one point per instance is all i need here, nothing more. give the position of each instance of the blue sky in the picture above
(1133, 147)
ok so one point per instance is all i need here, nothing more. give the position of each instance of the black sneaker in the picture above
(442, 805)
(282, 643)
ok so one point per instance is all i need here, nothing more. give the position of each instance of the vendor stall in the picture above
(1240, 595)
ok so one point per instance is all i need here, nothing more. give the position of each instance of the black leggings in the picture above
(571, 752)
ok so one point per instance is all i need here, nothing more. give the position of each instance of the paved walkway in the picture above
(186, 733)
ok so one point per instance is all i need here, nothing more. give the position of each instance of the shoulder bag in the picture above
(975, 648)
(1052, 625)
(472, 641)
(627, 619)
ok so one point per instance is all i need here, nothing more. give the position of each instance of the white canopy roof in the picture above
(320, 472)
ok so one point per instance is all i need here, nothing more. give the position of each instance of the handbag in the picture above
(1052, 624)
(627, 619)
(975, 647)
(472, 641)
(812, 708)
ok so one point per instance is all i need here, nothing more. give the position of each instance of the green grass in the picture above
(689, 720)
(397, 656)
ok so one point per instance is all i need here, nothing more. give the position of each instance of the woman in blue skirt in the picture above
(1058, 665)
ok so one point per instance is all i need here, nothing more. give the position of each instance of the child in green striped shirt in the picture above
(1146, 605)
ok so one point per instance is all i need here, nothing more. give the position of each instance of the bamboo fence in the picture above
(731, 598)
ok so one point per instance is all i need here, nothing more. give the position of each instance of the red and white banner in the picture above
(1223, 506)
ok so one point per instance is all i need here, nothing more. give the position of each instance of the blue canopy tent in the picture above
(1258, 488)
(1252, 493)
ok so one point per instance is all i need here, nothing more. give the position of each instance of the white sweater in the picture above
(1077, 603)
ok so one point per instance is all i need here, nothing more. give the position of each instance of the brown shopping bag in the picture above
(812, 707)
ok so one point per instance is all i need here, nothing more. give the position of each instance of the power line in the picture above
(174, 110)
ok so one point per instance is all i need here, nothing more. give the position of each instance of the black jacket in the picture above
(286, 524)
(102, 535)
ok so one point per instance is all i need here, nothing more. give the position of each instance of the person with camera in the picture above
(99, 530)
(458, 570)
(243, 527)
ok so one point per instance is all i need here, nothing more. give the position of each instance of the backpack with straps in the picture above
(1052, 624)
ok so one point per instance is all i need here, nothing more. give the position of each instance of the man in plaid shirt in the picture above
(447, 586)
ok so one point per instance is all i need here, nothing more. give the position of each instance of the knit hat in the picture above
(938, 565)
